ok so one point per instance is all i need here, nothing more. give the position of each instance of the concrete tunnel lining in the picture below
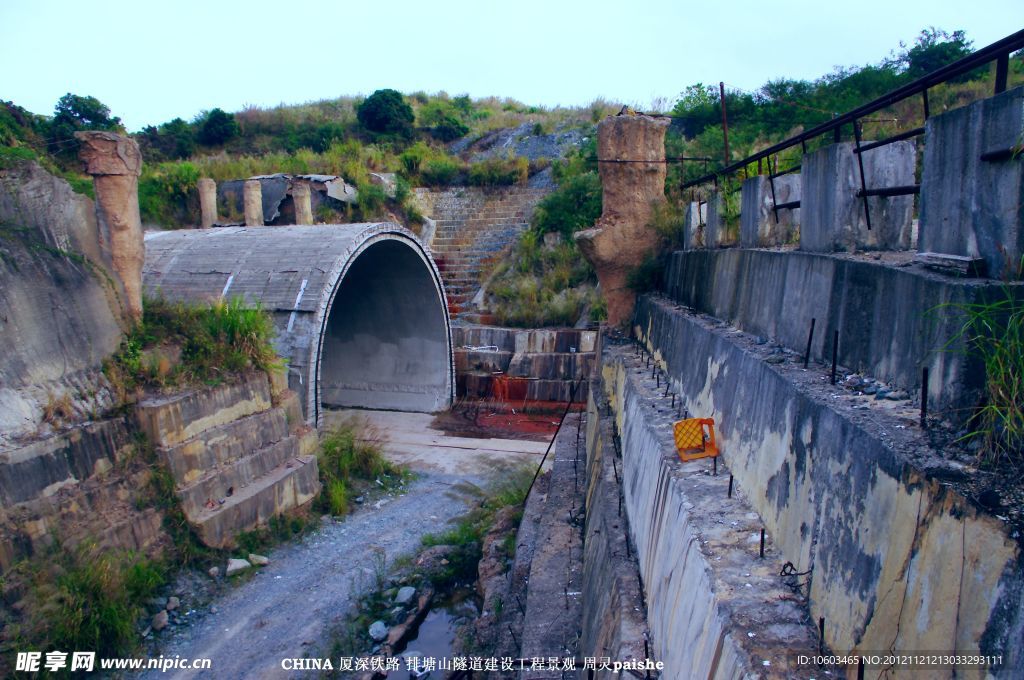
(359, 309)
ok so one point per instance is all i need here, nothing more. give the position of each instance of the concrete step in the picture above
(171, 420)
(223, 444)
(290, 485)
(222, 482)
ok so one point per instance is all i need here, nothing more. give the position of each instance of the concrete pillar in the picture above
(621, 239)
(715, 234)
(693, 231)
(252, 198)
(759, 227)
(207, 201)
(972, 185)
(115, 163)
(303, 204)
(831, 214)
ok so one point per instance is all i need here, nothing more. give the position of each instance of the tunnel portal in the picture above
(359, 309)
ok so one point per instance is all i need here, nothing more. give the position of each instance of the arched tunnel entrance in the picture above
(386, 345)
(359, 309)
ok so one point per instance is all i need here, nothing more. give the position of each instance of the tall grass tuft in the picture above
(88, 599)
(993, 331)
(348, 453)
(214, 341)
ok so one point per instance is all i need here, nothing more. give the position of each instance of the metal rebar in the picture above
(762, 543)
(714, 466)
(673, 400)
(725, 121)
(863, 180)
(810, 337)
(835, 354)
(821, 635)
(730, 487)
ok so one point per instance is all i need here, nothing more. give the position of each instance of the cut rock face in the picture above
(631, 153)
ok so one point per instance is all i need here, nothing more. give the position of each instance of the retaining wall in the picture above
(900, 561)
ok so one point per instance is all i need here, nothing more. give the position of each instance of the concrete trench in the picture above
(359, 309)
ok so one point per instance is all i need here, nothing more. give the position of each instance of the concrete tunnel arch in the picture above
(359, 309)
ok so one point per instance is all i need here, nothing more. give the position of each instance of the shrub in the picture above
(386, 111)
(575, 205)
(217, 127)
(440, 171)
(499, 171)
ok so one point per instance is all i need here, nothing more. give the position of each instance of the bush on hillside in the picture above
(386, 112)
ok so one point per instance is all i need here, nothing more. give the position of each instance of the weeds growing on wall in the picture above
(993, 331)
(350, 456)
(179, 344)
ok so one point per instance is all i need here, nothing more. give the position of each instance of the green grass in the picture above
(993, 332)
(87, 598)
(350, 457)
(215, 340)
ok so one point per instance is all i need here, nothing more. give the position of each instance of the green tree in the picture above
(933, 49)
(217, 127)
(73, 113)
(386, 111)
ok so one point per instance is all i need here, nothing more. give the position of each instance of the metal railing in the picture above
(998, 52)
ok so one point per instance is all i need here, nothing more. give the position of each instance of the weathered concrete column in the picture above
(693, 230)
(303, 204)
(831, 214)
(759, 227)
(621, 239)
(972, 183)
(207, 201)
(715, 235)
(115, 163)
(252, 198)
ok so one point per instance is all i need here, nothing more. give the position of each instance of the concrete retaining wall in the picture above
(890, 319)
(971, 207)
(714, 608)
(832, 217)
(760, 225)
(614, 621)
(900, 561)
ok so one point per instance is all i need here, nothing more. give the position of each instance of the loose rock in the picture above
(405, 594)
(214, 572)
(160, 620)
(378, 630)
(258, 560)
(236, 566)
(173, 603)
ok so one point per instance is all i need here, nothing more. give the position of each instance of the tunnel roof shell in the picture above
(293, 272)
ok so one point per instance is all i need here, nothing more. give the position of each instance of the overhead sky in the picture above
(153, 61)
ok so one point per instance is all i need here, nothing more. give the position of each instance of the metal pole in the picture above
(810, 337)
(1002, 71)
(725, 121)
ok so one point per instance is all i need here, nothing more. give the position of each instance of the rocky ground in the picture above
(285, 609)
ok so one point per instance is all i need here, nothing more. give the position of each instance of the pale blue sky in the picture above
(151, 61)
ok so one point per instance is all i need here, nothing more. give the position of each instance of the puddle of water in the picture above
(437, 632)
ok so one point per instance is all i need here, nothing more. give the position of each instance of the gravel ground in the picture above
(286, 608)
